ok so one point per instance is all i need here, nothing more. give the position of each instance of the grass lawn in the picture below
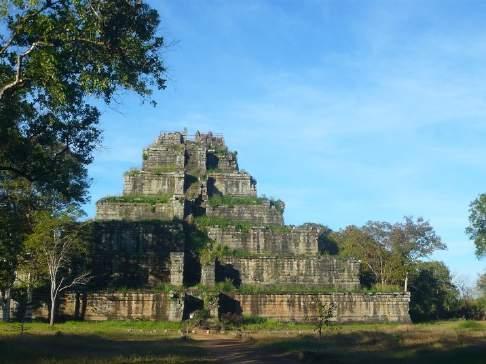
(441, 342)
(117, 342)
(112, 342)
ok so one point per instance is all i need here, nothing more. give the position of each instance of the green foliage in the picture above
(57, 60)
(230, 201)
(212, 169)
(472, 309)
(168, 168)
(212, 251)
(153, 200)
(481, 285)
(387, 251)
(53, 247)
(132, 172)
(68, 52)
(206, 221)
(433, 295)
(477, 224)
(324, 314)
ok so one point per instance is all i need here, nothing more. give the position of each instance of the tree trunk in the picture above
(53, 308)
(28, 305)
(5, 302)
(405, 286)
(53, 302)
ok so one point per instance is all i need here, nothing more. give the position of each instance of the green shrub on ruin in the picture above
(231, 201)
(132, 172)
(206, 221)
(168, 168)
(153, 200)
(283, 288)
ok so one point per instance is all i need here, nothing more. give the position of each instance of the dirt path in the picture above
(235, 351)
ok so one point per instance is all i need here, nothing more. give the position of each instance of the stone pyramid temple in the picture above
(190, 232)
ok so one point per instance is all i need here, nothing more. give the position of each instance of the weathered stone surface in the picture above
(154, 183)
(231, 184)
(177, 268)
(208, 274)
(119, 306)
(350, 307)
(267, 240)
(167, 153)
(321, 271)
(133, 254)
(108, 210)
(221, 160)
(255, 214)
(130, 254)
(195, 158)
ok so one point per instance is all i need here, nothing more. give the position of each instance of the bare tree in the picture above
(55, 240)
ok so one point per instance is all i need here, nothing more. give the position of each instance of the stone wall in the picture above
(350, 307)
(150, 183)
(287, 241)
(108, 210)
(222, 160)
(256, 214)
(177, 268)
(167, 153)
(231, 184)
(195, 158)
(208, 274)
(118, 306)
(320, 271)
(133, 254)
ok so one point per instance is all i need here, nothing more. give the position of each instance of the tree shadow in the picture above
(380, 347)
(84, 348)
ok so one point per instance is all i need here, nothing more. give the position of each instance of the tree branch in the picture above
(18, 73)
(48, 4)
(17, 171)
(82, 279)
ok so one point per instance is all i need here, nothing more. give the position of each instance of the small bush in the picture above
(205, 221)
(231, 201)
(164, 169)
(163, 198)
(473, 309)
(132, 172)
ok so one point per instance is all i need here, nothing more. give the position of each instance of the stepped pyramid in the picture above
(189, 186)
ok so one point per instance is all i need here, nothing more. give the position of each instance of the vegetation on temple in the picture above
(152, 200)
(231, 201)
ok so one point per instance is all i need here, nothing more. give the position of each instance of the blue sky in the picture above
(349, 111)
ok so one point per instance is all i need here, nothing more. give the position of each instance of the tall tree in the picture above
(55, 55)
(477, 224)
(56, 58)
(481, 284)
(406, 242)
(433, 295)
(54, 242)
(375, 260)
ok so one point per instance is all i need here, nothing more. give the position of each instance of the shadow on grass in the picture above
(96, 349)
(380, 347)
